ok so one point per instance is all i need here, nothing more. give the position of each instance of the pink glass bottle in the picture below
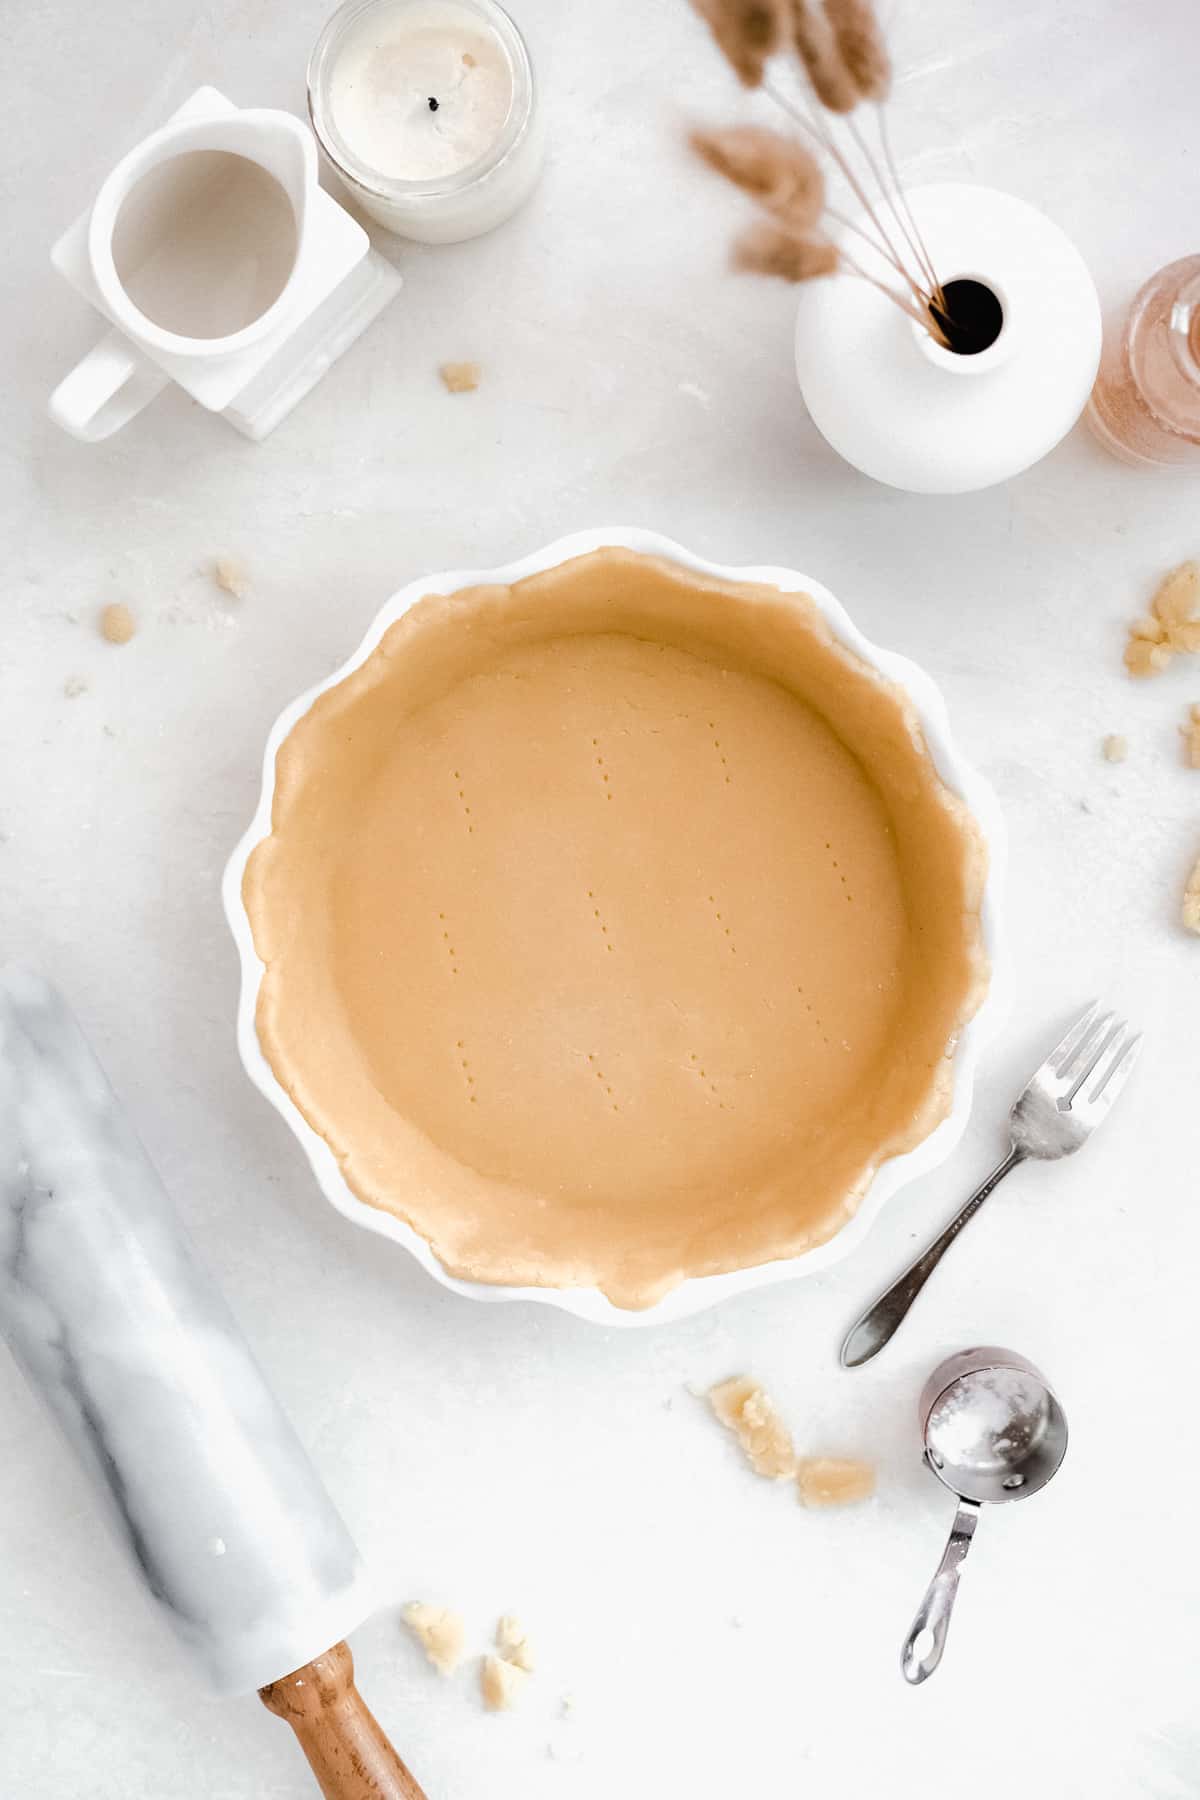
(1145, 406)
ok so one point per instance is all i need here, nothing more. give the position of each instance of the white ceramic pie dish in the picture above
(697, 1293)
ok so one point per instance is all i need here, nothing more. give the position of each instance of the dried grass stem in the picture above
(844, 61)
(818, 129)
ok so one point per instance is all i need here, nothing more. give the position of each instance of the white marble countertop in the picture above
(717, 1639)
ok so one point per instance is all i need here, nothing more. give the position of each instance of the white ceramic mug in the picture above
(223, 266)
(136, 359)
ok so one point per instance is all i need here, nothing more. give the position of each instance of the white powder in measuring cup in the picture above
(989, 1419)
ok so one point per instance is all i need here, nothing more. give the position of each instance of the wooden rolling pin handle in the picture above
(349, 1753)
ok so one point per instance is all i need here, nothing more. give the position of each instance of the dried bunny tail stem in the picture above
(913, 232)
(747, 32)
(920, 314)
(818, 50)
(817, 128)
(773, 250)
(894, 199)
(848, 224)
(770, 250)
(865, 54)
(845, 57)
(860, 46)
(783, 174)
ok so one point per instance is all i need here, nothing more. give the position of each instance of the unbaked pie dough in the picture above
(834, 1480)
(750, 1413)
(440, 1633)
(500, 1682)
(512, 1642)
(616, 925)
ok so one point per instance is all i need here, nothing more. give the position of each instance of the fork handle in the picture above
(879, 1322)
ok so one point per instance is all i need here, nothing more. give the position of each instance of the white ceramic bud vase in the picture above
(911, 413)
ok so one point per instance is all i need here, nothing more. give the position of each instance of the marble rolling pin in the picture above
(130, 1345)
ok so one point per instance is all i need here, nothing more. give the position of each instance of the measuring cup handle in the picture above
(103, 392)
(920, 1658)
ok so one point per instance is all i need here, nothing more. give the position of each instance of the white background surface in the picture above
(506, 1457)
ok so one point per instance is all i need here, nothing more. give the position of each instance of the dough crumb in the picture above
(512, 1641)
(500, 1683)
(1144, 657)
(461, 377)
(439, 1632)
(567, 1705)
(73, 686)
(117, 623)
(835, 1480)
(743, 1408)
(1172, 623)
(230, 576)
(1190, 913)
(1115, 748)
(1190, 732)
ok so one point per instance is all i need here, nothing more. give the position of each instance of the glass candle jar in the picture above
(427, 109)
(1145, 406)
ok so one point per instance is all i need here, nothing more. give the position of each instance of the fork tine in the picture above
(1070, 1066)
(1116, 1071)
(1070, 1042)
(1109, 1044)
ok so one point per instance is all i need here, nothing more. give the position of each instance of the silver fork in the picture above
(1060, 1108)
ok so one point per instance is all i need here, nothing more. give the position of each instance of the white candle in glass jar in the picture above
(428, 112)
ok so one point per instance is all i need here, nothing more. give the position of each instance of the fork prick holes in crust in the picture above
(724, 929)
(462, 801)
(723, 761)
(601, 770)
(694, 1068)
(811, 1010)
(447, 946)
(599, 922)
(602, 1078)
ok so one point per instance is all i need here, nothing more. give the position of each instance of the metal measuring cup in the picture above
(993, 1431)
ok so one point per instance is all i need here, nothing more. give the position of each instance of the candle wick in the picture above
(433, 105)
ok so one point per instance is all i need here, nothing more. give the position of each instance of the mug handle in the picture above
(105, 390)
